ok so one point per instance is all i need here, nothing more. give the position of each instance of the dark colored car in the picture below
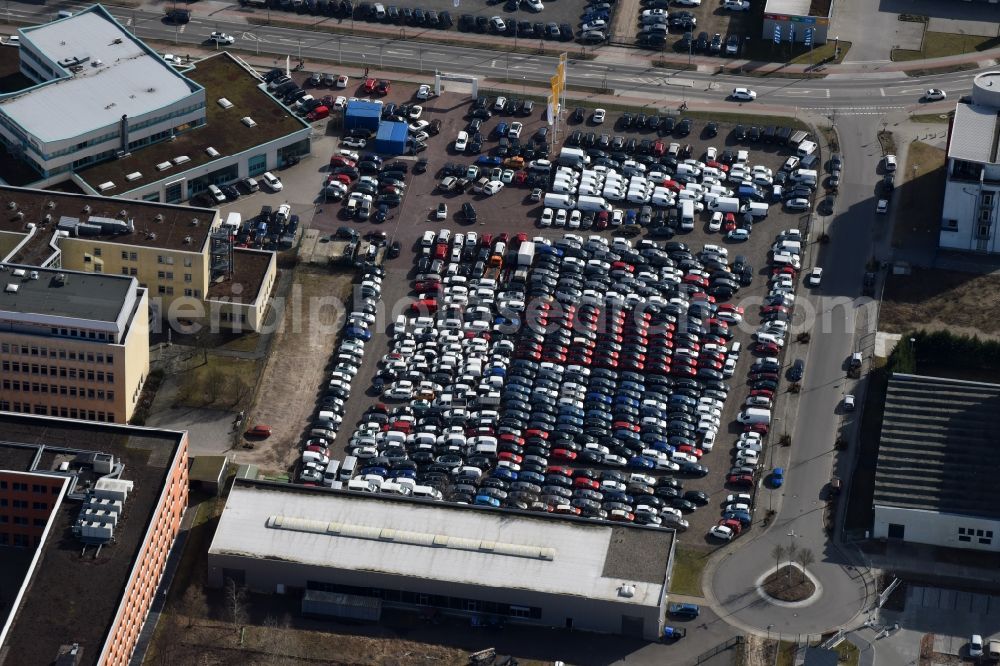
(797, 371)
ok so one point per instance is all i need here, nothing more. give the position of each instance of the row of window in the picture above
(162, 275)
(54, 410)
(59, 371)
(19, 487)
(21, 520)
(17, 540)
(160, 258)
(23, 504)
(966, 534)
(58, 389)
(63, 354)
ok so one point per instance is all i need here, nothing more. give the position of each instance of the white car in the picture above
(715, 224)
(533, 5)
(654, 12)
(688, 3)
(721, 532)
(882, 207)
(546, 219)
(354, 142)
(596, 24)
(492, 187)
(815, 276)
(560, 220)
(461, 141)
(424, 91)
(745, 498)
(415, 111)
(738, 235)
(797, 204)
(598, 116)
(271, 181)
(497, 24)
(934, 95)
(514, 132)
(889, 161)
(419, 126)
(743, 95)
(221, 38)
(736, 5)
(340, 102)
(849, 403)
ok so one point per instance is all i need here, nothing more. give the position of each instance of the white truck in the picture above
(526, 253)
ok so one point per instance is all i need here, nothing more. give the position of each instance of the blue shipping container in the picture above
(391, 138)
(362, 115)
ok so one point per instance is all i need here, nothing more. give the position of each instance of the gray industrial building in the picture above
(432, 556)
(793, 18)
(936, 473)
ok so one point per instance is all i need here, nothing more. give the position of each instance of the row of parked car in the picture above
(515, 395)
(315, 457)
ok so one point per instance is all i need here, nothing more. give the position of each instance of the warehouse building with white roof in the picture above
(492, 565)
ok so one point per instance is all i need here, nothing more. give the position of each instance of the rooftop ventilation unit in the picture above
(159, 217)
(134, 176)
(106, 186)
(19, 272)
(61, 279)
(50, 204)
(212, 152)
(194, 222)
(163, 166)
(248, 121)
(188, 240)
(11, 288)
(224, 103)
(34, 275)
(181, 159)
(11, 205)
(86, 209)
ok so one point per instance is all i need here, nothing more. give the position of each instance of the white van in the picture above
(360, 485)
(757, 209)
(347, 467)
(687, 215)
(688, 170)
(725, 205)
(594, 204)
(558, 200)
(789, 246)
(806, 148)
(804, 177)
(786, 259)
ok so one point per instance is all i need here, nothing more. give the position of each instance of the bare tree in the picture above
(805, 557)
(777, 553)
(791, 552)
(236, 602)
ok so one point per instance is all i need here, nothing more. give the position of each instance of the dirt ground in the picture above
(933, 300)
(921, 191)
(293, 374)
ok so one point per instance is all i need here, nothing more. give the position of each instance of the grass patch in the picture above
(689, 565)
(789, 584)
(217, 382)
(921, 196)
(786, 654)
(946, 69)
(941, 44)
(246, 342)
(932, 117)
(848, 653)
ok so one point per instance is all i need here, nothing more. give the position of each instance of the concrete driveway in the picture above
(874, 30)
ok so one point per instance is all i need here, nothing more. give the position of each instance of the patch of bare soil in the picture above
(789, 584)
(942, 300)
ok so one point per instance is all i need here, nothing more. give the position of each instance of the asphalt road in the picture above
(880, 92)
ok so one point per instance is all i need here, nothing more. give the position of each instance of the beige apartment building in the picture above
(72, 344)
(183, 255)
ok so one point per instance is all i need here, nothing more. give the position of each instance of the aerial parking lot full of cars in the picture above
(584, 367)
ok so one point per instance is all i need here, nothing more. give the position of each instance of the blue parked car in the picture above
(358, 333)
(488, 160)
(685, 611)
(742, 516)
(778, 477)
(641, 462)
(486, 500)
(674, 633)
(504, 473)
(501, 129)
(549, 249)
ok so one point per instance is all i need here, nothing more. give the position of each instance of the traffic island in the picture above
(789, 585)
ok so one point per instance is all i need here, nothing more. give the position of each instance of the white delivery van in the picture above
(426, 492)
(757, 209)
(789, 246)
(563, 187)
(594, 204)
(687, 215)
(754, 416)
(786, 259)
(725, 205)
(347, 467)
(557, 200)
(360, 485)
(688, 170)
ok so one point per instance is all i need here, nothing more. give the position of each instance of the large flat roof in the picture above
(249, 269)
(222, 76)
(74, 598)
(444, 542)
(131, 79)
(974, 133)
(815, 8)
(154, 224)
(90, 296)
(938, 446)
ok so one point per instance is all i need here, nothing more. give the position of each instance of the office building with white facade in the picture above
(971, 208)
(110, 113)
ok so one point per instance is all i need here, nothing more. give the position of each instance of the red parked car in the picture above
(369, 85)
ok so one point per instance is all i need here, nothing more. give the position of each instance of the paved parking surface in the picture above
(510, 212)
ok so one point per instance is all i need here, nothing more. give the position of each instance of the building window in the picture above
(133, 271)
(965, 534)
(187, 277)
(159, 258)
(97, 251)
(124, 255)
(125, 270)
